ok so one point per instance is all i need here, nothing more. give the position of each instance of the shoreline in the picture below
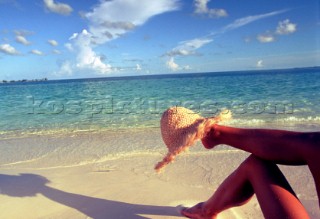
(110, 174)
(291, 123)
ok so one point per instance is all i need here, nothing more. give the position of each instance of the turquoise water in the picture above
(258, 97)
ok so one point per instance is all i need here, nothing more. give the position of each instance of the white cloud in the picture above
(59, 8)
(201, 7)
(188, 47)
(172, 65)
(110, 20)
(265, 38)
(285, 27)
(87, 58)
(196, 43)
(21, 36)
(22, 40)
(53, 42)
(8, 49)
(138, 67)
(259, 64)
(37, 52)
(249, 19)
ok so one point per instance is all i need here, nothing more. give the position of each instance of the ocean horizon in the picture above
(164, 75)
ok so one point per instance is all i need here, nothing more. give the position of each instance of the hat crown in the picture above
(174, 123)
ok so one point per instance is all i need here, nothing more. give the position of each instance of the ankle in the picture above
(222, 133)
(212, 138)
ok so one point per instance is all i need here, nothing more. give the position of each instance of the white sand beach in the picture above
(70, 180)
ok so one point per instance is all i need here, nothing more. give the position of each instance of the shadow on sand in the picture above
(29, 185)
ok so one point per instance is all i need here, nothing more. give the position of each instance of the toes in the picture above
(193, 212)
(184, 212)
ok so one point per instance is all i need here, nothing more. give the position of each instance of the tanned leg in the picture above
(314, 166)
(275, 196)
(279, 146)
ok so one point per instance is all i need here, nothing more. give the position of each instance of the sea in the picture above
(62, 123)
(284, 98)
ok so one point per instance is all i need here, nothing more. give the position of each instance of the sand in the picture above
(120, 186)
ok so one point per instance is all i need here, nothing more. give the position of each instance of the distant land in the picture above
(23, 80)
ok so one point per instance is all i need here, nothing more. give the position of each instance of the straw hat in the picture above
(181, 127)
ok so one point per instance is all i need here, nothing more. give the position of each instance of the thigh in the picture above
(314, 167)
(275, 195)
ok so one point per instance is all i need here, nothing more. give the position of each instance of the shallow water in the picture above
(284, 97)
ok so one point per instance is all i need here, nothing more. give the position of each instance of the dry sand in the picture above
(127, 186)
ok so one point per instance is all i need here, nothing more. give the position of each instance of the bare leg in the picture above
(275, 196)
(279, 146)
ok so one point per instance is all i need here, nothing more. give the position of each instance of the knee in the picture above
(253, 161)
(253, 164)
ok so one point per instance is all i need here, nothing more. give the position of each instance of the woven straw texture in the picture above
(180, 128)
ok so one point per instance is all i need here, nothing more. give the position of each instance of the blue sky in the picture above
(81, 38)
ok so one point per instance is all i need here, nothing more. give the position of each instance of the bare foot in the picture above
(196, 212)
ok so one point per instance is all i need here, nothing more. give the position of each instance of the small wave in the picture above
(110, 157)
(259, 120)
(10, 134)
(296, 119)
(245, 121)
(292, 120)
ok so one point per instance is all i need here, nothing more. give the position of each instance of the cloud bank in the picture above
(110, 20)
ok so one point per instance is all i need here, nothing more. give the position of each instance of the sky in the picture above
(99, 38)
